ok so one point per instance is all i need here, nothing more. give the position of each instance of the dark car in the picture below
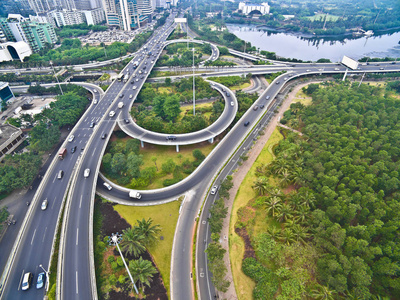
(261, 106)
(246, 123)
(126, 121)
(73, 149)
(278, 82)
(171, 138)
(121, 96)
(104, 135)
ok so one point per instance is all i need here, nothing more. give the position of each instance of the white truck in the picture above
(135, 195)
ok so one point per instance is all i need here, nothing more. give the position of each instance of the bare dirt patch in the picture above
(248, 248)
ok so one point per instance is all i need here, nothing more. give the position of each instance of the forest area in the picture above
(331, 199)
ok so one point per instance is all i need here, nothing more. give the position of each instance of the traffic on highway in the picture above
(65, 197)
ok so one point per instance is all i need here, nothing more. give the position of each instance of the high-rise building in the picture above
(127, 14)
(17, 28)
(94, 16)
(65, 17)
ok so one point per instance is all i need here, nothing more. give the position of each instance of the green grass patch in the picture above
(166, 215)
(104, 77)
(243, 284)
(163, 153)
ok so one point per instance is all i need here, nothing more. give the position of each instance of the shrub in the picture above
(267, 282)
(111, 259)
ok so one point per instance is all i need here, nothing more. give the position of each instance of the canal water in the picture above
(294, 46)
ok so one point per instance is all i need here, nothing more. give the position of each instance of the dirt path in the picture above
(238, 177)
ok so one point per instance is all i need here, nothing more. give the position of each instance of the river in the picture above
(294, 46)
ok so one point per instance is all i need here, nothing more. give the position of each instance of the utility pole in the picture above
(51, 64)
(194, 89)
(116, 239)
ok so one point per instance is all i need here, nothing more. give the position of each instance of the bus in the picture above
(120, 77)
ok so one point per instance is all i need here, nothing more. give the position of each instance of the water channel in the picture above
(294, 46)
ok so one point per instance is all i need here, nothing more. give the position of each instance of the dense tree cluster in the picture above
(340, 16)
(18, 171)
(204, 29)
(215, 252)
(164, 117)
(346, 205)
(123, 163)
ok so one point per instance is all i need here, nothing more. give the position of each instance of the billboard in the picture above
(180, 20)
(349, 62)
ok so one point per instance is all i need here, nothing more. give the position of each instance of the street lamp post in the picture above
(51, 64)
(194, 89)
(47, 277)
(116, 239)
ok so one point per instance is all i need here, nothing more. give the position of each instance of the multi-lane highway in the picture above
(76, 278)
(34, 243)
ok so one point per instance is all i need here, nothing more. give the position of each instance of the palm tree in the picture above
(142, 270)
(274, 232)
(323, 293)
(132, 242)
(273, 203)
(148, 231)
(300, 233)
(302, 213)
(308, 198)
(286, 178)
(261, 185)
(285, 212)
(287, 236)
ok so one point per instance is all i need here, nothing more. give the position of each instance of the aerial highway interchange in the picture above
(34, 244)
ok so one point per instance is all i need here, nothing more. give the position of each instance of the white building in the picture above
(94, 16)
(247, 8)
(14, 50)
(65, 17)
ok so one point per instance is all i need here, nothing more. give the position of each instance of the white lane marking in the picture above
(76, 281)
(94, 151)
(54, 201)
(77, 235)
(80, 202)
(33, 237)
(54, 180)
(44, 235)
(22, 275)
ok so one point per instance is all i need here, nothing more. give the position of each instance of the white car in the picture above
(232, 104)
(107, 186)
(44, 204)
(71, 138)
(94, 101)
(112, 113)
(135, 87)
(214, 190)
(86, 173)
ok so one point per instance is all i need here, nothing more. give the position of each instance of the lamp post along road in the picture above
(194, 90)
(47, 277)
(116, 239)
(55, 75)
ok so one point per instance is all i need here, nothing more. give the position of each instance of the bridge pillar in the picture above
(344, 76)
(177, 148)
(142, 144)
(211, 140)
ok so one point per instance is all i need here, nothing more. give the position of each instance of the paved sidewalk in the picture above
(238, 177)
